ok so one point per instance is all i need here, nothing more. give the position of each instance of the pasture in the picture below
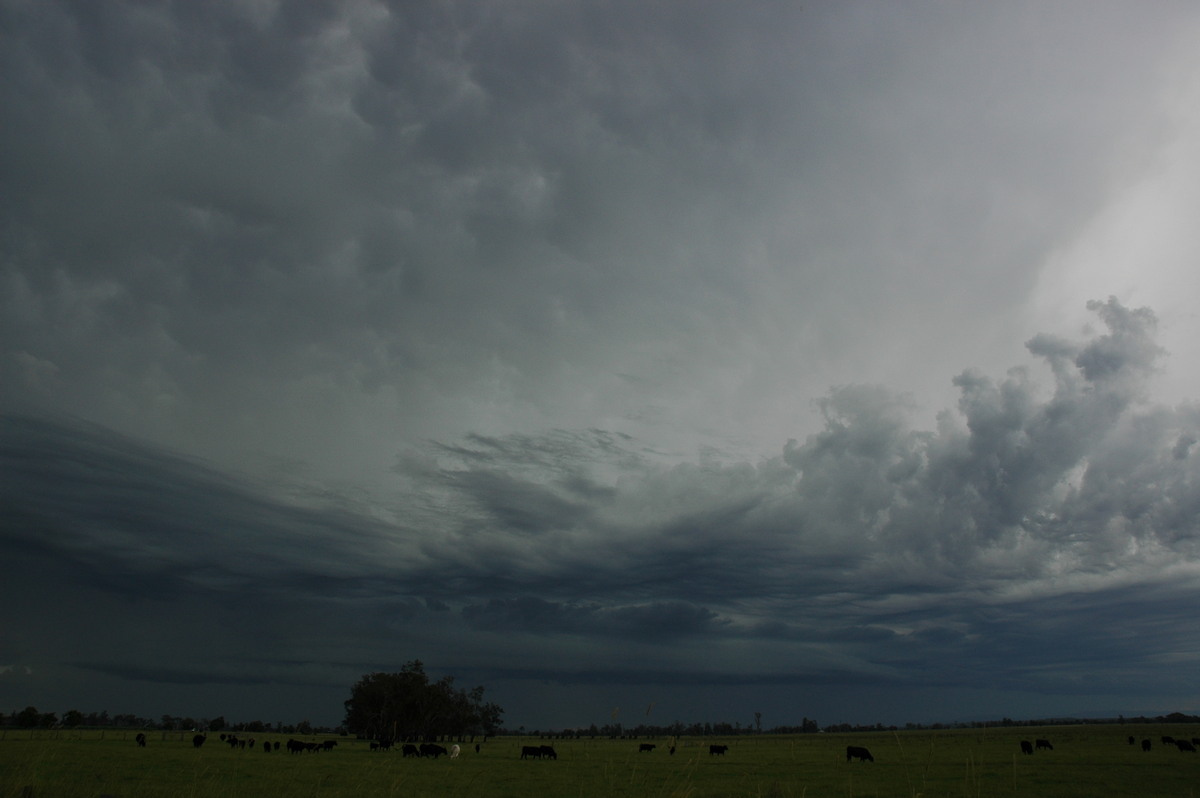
(1089, 761)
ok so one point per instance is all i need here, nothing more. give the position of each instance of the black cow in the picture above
(857, 751)
(295, 747)
(1168, 740)
(548, 752)
(531, 752)
(717, 749)
(1040, 744)
(1145, 745)
(329, 744)
(267, 747)
(141, 740)
(433, 750)
(1026, 747)
(410, 750)
(198, 740)
(1131, 739)
(1185, 745)
(646, 747)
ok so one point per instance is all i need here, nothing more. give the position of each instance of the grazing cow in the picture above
(857, 751)
(1168, 740)
(432, 749)
(646, 747)
(410, 750)
(671, 750)
(295, 747)
(455, 751)
(1040, 744)
(141, 740)
(477, 748)
(531, 752)
(1026, 747)
(548, 752)
(329, 744)
(1185, 745)
(198, 740)
(1145, 745)
(717, 749)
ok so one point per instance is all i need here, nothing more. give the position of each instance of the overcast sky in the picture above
(832, 359)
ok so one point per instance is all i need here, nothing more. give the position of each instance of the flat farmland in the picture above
(1092, 760)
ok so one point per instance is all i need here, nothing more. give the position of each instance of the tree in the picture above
(72, 718)
(406, 705)
(28, 717)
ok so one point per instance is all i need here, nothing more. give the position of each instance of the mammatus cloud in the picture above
(1025, 541)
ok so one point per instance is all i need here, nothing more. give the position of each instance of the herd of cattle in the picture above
(433, 751)
(1181, 744)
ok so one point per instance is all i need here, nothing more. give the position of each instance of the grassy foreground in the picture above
(1086, 761)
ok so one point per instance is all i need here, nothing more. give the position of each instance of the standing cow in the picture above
(717, 749)
(1026, 747)
(140, 740)
(432, 749)
(646, 747)
(858, 752)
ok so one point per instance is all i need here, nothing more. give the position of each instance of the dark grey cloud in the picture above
(342, 333)
(1040, 539)
(654, 620)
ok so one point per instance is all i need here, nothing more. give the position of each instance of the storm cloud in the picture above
(1042, 538)
(582, 347)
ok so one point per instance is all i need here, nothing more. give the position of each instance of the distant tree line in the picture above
(677, 729)
(407, 704)
(32, 718)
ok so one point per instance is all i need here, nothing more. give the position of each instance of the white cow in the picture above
(455, 751)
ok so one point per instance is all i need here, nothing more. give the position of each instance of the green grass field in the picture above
(1086, 761)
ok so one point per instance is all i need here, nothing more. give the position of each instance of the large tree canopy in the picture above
(408, 705)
